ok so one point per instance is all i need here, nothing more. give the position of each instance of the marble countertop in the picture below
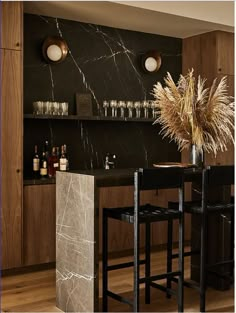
(107, 178)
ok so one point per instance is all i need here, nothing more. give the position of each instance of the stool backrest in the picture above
(159, 178)
(220, 175)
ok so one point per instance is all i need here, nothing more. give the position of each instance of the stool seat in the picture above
(195, 207)
(147, 213)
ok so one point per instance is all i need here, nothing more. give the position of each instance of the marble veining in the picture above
(76, 281)
(105, 62)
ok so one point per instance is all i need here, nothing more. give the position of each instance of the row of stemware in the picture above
(146, 108)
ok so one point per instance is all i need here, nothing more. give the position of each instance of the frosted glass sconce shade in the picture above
(55, 49)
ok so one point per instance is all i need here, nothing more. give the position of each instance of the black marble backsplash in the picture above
(104, 62)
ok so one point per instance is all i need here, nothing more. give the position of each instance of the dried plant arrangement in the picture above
(191, 114)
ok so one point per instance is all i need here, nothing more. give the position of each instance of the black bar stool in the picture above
(146, 179)
(212, 176)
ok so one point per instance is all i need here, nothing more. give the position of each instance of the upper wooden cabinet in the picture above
(210, 54)
(11, 25)
(11, 157)
(11, 16)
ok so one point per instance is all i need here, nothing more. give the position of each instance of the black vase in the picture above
(196, 156)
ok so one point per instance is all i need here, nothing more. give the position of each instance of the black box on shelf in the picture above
(84, 104)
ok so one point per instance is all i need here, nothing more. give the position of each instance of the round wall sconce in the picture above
(151, 61)
(54, 49)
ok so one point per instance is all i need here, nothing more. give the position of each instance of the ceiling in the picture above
(179, 19)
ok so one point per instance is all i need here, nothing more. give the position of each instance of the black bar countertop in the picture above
(108, 178)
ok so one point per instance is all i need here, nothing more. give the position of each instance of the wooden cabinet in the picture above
(11, 157)
(11, 14)
(39, 224)
(211, 55)
(11, 133)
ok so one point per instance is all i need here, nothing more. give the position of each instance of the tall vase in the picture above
(196, 156)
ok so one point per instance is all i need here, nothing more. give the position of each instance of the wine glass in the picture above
(122, 106)
(130, 106)
(146, 106)
(105, 105)
(113, 105)
(153, 107)
(137, 106)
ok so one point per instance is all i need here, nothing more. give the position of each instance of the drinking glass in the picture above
(153, 107)
(130, 106)
(105, 105)
(55, 106)
(137, 106)
(64, 107)
(39, 105)
(145, 105)
(113, 105)
(47, 109)
(122, 106)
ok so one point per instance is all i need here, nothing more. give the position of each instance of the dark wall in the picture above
(105, 62)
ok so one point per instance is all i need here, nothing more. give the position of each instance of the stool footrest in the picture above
(123, 265)
(187, 284)
(119, 298)
(220, 263)
(222, 275)
(189, 253)
(163, 288)
(158, 277)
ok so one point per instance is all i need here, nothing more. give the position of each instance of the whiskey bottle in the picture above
(43, 166)
(36, 173)
(63, 160)
(66, 156)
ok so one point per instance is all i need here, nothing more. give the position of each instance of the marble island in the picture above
(77, 207)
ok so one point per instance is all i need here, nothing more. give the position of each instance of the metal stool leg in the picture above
(147, 264)
(203, 263)
(181, 265)
(232, 244)
(104, 261)
(169, 254)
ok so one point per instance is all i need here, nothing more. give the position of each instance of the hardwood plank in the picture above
(12, 154)
(39, 224)
(35, 292)
(11, 25)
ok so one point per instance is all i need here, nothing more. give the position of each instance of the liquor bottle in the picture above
(36, 172)
(67, 158)
(63, 160)
(53, 163)
(43, 166)
(46, 149)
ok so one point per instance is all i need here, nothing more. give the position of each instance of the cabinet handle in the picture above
(17, 44)
(18, 170)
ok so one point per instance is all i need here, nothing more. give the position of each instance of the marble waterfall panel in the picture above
(76, 282)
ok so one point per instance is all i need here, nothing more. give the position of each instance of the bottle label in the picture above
(55, 165)
(63, 164)
(43, 171)
(35, 165)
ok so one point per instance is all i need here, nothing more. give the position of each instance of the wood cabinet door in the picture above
(11, 157)
(225, 53)
(11, 13)
(39, 224)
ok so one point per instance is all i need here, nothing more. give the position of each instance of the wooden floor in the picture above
(35, 292)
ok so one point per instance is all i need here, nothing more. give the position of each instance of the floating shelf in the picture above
(87, 118)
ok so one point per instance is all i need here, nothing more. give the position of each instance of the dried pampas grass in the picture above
(192, 115)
